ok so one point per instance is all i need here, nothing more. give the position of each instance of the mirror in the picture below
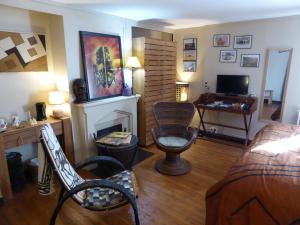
(275, 84)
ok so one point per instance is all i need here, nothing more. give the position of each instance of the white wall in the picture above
(66, 46)
(20, 91)
(269, 33)
(277, 66)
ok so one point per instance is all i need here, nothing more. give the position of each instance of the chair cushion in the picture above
(105, 198)
(172, 141)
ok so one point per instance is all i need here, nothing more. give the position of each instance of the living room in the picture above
(163, 199)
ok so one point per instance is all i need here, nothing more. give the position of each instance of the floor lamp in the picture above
(133, 63)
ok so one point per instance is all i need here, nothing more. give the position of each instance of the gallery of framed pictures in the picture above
(250, 60)
(22, 52)
(190, 55)
(102, 61)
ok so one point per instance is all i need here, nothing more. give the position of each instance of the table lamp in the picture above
(133, 63)
(182, 91)
(57, 98)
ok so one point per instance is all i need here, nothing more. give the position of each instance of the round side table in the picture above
(124, 153)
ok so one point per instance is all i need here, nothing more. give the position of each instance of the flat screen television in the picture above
(232, 84)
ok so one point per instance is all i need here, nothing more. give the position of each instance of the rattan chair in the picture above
(173, 135)
(96, 194)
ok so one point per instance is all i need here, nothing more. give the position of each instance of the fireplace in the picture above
(89, 118)
(108, 130)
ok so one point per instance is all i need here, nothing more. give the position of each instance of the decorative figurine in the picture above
(80, 91)
(15, 121)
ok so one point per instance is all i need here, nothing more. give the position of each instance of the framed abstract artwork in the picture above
(102, 61)
(22, 52)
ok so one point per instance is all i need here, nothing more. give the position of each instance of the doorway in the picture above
(275, 84)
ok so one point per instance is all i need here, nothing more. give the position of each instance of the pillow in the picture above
(172, 141)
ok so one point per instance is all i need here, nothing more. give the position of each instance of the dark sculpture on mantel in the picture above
(80, 91)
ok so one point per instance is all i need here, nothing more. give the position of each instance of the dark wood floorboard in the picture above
(163, 200)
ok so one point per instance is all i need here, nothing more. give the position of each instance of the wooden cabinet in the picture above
(155, 82)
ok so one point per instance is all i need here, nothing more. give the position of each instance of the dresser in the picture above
(155, 82)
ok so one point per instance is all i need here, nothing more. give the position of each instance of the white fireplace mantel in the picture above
(93, 116)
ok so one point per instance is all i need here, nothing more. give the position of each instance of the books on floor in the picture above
(116, 139)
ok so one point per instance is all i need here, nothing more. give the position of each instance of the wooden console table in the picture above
(203, 104)
(14, 137)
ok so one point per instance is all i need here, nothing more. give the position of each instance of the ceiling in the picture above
(177, 14)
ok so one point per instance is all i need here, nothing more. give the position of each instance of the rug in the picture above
(105, 170)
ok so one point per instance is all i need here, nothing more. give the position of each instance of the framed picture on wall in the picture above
(242, 42)
(190, 44)
(189, 66)
(250, 60)
(102, 61)
(221, 40)
(228, 56)
(190, 55)
(23, 52)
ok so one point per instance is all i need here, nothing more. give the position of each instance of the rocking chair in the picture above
(96, 194)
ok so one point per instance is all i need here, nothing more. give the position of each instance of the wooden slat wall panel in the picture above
(159, 83)
(160, 48)
(160, 52)
(159, 42)
(159, 68)
(159, 62)
(159, 57)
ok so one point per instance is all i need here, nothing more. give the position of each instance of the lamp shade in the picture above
(182, 91)
(133, 62)
(56, 98)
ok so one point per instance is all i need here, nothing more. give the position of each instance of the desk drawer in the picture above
(23, 137)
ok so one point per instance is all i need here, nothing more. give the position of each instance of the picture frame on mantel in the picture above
(102, 62)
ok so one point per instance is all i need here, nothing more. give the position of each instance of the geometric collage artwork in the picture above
(22, 52)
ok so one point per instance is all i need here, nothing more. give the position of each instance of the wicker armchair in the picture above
(96, 194)
(173, 136)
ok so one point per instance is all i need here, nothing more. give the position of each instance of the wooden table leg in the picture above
(247, 127)
(4, 175)
(201, 115)
(68, 140)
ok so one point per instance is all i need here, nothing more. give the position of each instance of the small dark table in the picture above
(124, 153)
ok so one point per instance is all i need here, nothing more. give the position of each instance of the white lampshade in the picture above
(56, 98)
(133, 62)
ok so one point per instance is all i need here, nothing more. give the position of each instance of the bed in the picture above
(263, 187)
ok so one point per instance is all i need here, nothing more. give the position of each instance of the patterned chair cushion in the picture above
(65, 171)
(172, 141)
(105, 198)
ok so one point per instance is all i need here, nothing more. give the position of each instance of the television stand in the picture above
(206, 102)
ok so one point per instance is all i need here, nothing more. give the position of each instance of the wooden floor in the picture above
(268, 110)
(163, 200)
